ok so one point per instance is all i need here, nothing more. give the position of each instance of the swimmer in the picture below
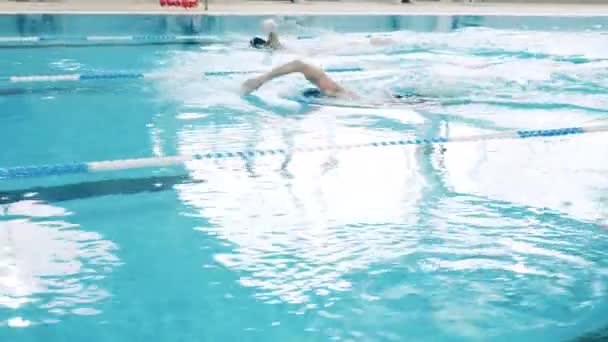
(314, 75)
(272, 42)
(325, 85)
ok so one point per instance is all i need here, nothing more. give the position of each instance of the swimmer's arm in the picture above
(311, 73)
(273, 41)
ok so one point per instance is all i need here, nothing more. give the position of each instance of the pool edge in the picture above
(302, 9)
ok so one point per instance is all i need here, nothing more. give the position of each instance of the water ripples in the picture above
(490, 239)
(49, 264)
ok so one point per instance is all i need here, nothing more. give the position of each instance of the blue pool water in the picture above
(484, 240)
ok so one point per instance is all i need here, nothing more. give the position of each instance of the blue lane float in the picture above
(125, 76)
(78, 40)
(116, 165)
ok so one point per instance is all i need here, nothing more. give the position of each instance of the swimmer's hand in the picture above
(251, 85)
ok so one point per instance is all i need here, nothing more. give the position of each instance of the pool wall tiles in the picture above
(66, 24)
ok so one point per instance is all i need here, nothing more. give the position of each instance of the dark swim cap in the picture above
(257, 42)
(312, 92)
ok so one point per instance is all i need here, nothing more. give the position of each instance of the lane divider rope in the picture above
(124, 164)
(41, 40)
(143, 38)
(124, 76)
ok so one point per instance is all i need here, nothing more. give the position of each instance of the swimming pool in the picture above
(485, 239)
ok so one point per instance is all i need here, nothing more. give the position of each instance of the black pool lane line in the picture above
(84, 190)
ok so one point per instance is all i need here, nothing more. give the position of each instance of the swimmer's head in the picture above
(269, 26)
(257, 42)
(312, 92)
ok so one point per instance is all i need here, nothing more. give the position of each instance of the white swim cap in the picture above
(269, 26)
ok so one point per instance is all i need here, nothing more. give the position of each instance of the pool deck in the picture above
(234, 7)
